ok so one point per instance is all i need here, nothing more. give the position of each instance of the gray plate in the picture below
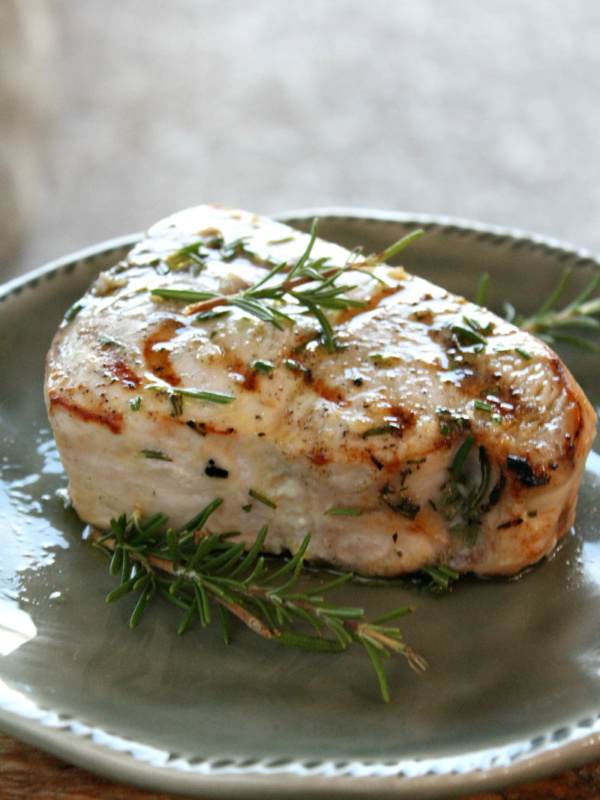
(513, 688)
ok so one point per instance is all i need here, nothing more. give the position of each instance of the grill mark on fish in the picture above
(119, 370)
(158, 360)
(205, 428)
(377, 462)
(112, 419)
(401, 418)
(327, 391)
(496, 492)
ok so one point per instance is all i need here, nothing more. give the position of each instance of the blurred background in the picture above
(116, 113)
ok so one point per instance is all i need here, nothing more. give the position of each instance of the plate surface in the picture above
(513, 688)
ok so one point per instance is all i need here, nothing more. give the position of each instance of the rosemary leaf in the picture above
(200, 520)
(523, 353)
(395, 248)
(252, 556)
(461, 455)
(261, 498)
(184, 295)
(187, 619)
(116, 561)
(395, 614)
(554, 296)
(468, 335)
(159, 455)
(482, 405)
(224, 625)
(266, 367)
(145, 595)
(482, 290)
(382, 430)
(344, 512)
(375, 656)
(121, 590)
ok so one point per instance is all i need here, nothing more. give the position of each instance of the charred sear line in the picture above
(213, 471)
(198, 427)
(112, 419)
(117, 369)
(525, 472)
(157, 357)
(203, 429)
(377, 462)
(402, 417)
(496, 492)
(328, 392)
(511, 523)
(405, 506)
(398, 500)
(317, 384)
(307, 374)
(248, 376)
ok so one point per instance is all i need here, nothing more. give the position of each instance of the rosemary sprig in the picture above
(552, 324)
(195, 569)
(283, 284)
(462, 494)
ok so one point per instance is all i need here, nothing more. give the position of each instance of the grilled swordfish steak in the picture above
(406, 427)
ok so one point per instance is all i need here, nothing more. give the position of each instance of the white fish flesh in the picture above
(431, 432)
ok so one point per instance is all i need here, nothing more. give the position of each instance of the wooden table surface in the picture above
(26, 772)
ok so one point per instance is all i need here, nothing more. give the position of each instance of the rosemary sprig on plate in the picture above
(283, 284)
(197, 569)
(554, 325)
